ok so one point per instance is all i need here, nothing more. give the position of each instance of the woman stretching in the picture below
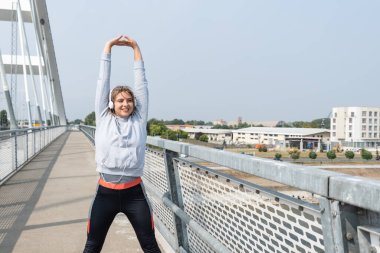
(121, 118)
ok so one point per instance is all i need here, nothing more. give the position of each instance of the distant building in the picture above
(181, 127)
(178, 127)
(302, 138)
(219, 122)
(356, 127)
(218, 136)
(203, 127)
(263, 123)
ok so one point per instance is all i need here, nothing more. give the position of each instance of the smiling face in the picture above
(123, 104)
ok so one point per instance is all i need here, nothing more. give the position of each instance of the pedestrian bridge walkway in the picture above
(44, 207)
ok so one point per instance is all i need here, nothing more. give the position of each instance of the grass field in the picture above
(304, 157)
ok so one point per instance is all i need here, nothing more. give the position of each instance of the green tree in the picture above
(170, 135)
(317, 123)
(156, 129)
(313, 155)
(277, 156)
(4, 119)
(242, 125)
(331, 155)
(366, 155)
(349, 154)
(76, 122)
(174, 122)
(203, 138)
(183, 134)
(282, 123)
(301, 124)
(197, 122)
(90, 119)
(221, 127)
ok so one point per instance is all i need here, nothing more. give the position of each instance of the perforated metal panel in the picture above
(248, 219)
(196, 245)
(155, 173)
(243, 216)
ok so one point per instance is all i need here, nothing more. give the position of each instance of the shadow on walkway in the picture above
(44, 207)
(18, 201)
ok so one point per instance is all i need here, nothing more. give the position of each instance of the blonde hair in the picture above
(119, 89)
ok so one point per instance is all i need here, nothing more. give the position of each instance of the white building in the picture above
(302, 138)
(356, 127)
(219, 136)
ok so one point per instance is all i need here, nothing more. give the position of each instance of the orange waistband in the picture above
(120, 186)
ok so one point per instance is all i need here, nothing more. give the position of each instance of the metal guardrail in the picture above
(198, 209)
(18, 147)
(89, 131)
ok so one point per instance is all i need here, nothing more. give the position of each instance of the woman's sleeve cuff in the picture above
(106, 56)
(139, 64)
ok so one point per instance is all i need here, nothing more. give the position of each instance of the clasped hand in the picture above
(122, 40)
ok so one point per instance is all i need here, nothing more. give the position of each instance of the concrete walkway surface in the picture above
(44, 207)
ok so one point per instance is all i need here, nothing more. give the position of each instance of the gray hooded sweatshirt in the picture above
(120, 142)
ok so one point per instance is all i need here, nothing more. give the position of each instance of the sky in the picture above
(208, 60)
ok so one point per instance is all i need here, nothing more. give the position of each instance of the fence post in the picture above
(41, 138)
(176, 197)
(15, 152)
(34, 142)
(339, 223)
(27, 146)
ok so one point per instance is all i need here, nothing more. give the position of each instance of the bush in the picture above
(277, 156)
(312, 155)
(331, 155)
(263, 149)
(366, 155)
(349, 154)
(203, 138)
(294, 153)
(249, 146)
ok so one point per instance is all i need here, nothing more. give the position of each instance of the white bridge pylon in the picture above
(40, 72)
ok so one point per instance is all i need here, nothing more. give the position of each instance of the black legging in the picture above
(107, 204)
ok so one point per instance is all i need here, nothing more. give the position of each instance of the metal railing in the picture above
(199, 209)
(89, 131)
(18, 147)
